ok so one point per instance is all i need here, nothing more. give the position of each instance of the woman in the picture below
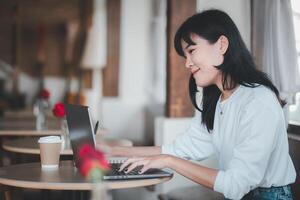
(240, 118)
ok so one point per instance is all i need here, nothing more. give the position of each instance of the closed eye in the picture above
(191, 50)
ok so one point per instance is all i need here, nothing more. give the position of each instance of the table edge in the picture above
(83, 186)
(29, 132)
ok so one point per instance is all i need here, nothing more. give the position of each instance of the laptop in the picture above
(81, 132)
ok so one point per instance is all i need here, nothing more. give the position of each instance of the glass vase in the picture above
(40, 110)
(64, 133)
(99, 191)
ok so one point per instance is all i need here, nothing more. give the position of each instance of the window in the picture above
(294, 110)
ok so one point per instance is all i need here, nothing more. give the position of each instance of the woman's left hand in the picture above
(148, 162)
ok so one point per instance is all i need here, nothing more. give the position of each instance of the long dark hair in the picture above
(237, 68)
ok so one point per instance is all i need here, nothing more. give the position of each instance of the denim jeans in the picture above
(272, 193)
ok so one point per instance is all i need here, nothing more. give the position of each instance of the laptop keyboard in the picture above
(114, 173)
(115, 170)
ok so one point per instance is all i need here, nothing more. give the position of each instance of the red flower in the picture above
(92, 162)
(84, 150)
(59, 110)
(88, 151)
(44, 94)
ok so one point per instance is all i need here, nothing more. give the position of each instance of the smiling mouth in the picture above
(194, 72)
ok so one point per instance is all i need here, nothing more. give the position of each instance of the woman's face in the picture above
(202, 58)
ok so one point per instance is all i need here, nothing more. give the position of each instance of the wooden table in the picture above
(26, 123)
(66, 177)
(29, 145)
(29, 132)
(32, 132)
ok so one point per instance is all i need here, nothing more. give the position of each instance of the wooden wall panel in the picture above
(111, 71)
(54, 51)
(52, 14)
(178, 101)
(6, 21)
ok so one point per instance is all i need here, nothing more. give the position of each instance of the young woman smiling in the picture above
(240, 118)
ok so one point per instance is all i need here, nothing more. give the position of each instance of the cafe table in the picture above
(32, 132)
(29, 145)
(26, 123)
(66, 177)
(20, 132)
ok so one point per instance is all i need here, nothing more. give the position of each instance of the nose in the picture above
(188, 62)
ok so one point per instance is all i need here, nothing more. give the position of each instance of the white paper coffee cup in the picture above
(50, 148)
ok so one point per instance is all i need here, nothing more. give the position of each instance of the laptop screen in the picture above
(80, 128)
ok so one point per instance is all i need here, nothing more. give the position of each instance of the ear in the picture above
(223, 44)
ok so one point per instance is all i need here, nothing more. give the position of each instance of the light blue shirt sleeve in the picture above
(246, 169)
(195, 143)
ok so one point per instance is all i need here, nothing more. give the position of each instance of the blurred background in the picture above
(117, 57)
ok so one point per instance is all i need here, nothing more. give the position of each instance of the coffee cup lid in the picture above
(50, 139)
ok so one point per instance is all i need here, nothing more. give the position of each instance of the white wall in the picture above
(238, 10)
(124, 116)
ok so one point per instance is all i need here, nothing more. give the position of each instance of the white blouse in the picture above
(249, 138)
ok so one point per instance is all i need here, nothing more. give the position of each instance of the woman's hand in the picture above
(200, 174)
(148, 162)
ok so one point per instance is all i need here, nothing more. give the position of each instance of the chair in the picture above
(294, 153)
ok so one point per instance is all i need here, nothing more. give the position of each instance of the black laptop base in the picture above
(114, 173)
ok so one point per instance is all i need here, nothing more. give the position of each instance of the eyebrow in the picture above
(188, 46)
